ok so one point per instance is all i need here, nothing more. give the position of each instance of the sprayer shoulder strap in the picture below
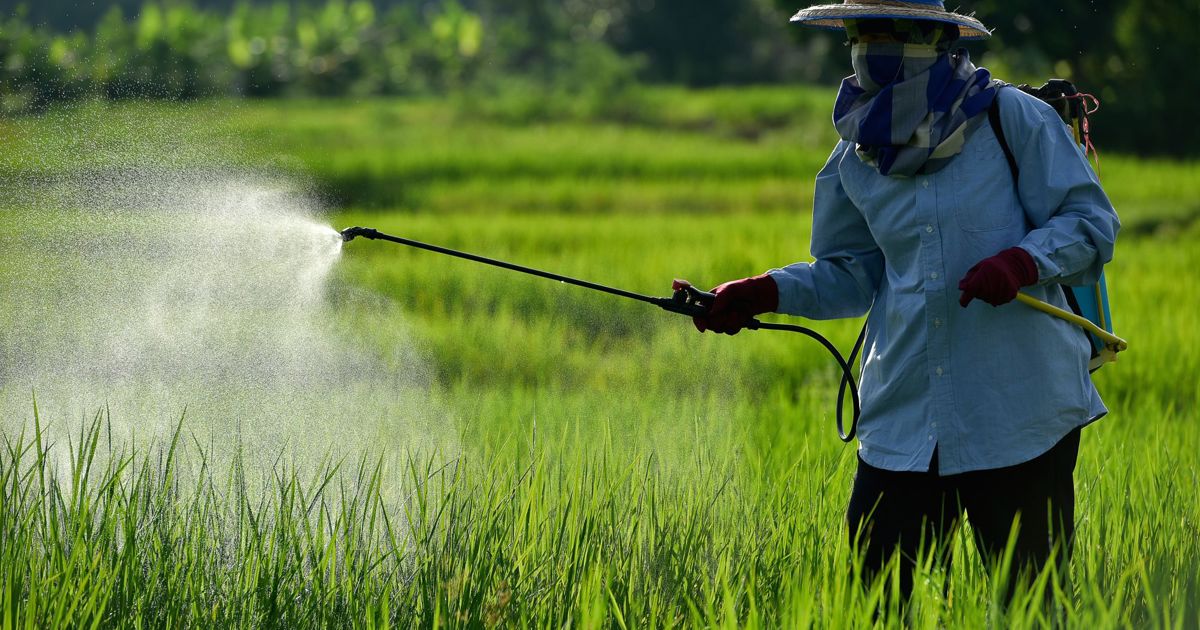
(994, 119)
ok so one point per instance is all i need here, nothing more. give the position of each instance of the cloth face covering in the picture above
(910, 106)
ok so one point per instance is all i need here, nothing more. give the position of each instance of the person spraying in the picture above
(971, 403)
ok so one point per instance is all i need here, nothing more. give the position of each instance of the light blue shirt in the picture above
(988, 386)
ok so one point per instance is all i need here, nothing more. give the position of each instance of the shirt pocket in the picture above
(985, 196)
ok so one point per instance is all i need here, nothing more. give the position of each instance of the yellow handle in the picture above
(1114, 343)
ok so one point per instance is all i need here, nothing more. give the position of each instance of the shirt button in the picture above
(925, 183)
(937, 322)
(939, 370)
(933, 425)
(934, 275)
(929, 229)
(931, 438)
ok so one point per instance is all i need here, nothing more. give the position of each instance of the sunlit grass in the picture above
(613, 468)
(543, 530)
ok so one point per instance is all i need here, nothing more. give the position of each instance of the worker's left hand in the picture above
(997, 279)
(737, 303)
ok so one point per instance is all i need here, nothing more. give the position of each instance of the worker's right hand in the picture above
(737, 303)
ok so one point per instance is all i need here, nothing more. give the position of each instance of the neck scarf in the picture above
(910, 106)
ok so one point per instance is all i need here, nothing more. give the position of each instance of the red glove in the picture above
(996, 280)
(737, 303)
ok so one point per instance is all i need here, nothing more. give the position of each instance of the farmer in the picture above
(969, 403)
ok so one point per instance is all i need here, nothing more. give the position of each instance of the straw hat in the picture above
(830, 16)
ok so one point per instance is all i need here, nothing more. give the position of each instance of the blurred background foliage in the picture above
(566, 58)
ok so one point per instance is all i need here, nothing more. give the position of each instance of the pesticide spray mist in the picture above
(148, 291)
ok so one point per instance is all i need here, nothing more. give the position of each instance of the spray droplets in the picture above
(150, 289)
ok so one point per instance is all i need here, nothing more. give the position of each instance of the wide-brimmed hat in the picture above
(830, 16)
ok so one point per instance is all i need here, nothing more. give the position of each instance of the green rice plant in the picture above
(611, 467)
(548, 532)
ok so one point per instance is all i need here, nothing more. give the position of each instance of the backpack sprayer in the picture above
(1089, 304)
(685, 300)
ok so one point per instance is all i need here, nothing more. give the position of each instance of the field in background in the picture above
(615, 468)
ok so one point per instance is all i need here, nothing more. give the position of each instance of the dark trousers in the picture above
(905, 510)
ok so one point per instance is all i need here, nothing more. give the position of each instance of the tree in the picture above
(1150, 99)
(706, 43)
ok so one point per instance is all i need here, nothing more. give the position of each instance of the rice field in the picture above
(597, 463)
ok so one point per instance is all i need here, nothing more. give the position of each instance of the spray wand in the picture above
(685, 300)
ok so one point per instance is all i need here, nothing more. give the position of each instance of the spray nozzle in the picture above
(350, 233)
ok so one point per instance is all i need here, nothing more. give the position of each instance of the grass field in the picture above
(610, 467)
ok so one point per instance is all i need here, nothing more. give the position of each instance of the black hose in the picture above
(847, 380)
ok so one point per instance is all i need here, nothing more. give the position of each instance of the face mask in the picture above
(878, 64)
(895, 50)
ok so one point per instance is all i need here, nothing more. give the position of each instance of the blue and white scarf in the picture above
(910, 107)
